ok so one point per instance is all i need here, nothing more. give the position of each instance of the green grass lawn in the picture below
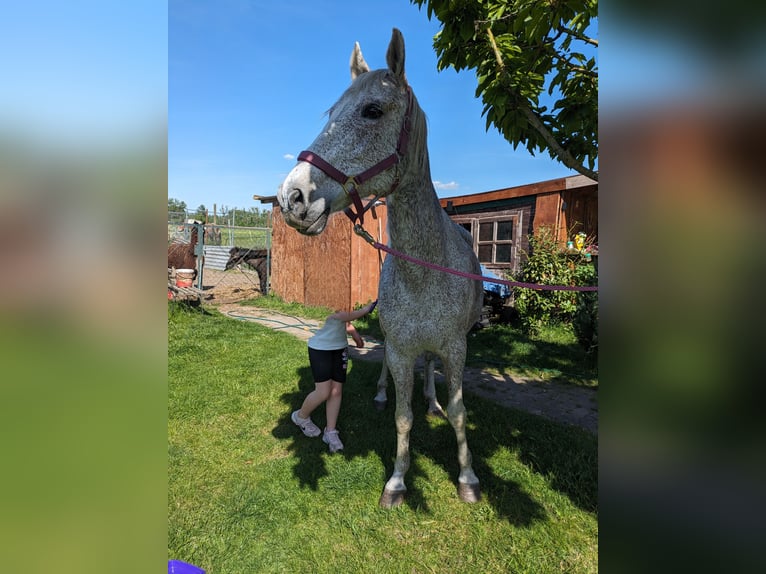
(247, 492)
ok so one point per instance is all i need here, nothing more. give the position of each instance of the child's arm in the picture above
(351, 330)
(353, 315)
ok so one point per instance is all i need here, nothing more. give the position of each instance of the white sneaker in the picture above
(332, 439)
(307, 425)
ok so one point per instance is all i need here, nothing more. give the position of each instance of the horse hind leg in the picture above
(381, 400)
(468, 482)
(429, 388)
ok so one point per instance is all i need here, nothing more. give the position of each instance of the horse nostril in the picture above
(295, 197)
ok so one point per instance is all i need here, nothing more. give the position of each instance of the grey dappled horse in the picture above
(376, 131)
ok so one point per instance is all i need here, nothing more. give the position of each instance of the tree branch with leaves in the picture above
(522, 50)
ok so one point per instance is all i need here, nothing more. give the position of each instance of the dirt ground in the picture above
(231, 286)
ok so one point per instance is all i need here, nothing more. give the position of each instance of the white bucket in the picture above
(184, 277)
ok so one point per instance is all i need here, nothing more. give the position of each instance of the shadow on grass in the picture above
(309, 451)
(509, 351)
(566, 457)
(500, 345)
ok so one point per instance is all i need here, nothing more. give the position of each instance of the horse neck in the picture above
(415, 216)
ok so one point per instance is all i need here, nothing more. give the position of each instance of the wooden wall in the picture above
(580, 212)
(570, 211)
(336, 269)
(548, 213)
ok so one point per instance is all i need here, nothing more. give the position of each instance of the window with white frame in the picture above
(495, 241)
(495, 238)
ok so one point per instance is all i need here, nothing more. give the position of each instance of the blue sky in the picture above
(83, 72)
(249, 82)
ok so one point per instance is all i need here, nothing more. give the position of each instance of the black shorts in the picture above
(326, 365)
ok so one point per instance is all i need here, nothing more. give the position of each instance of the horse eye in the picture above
(372, 111)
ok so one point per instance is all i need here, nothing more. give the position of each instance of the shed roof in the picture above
(548, 186)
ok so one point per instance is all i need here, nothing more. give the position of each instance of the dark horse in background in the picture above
(257, 259)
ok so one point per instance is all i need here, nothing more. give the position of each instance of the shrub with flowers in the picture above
(548, 264)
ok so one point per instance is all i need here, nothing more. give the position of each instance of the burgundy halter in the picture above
(351, 182)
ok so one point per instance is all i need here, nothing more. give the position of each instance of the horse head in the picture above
(361, 151)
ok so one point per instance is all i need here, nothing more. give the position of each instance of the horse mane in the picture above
(419, 140)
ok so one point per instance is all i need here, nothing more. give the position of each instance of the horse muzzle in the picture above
(309, 218)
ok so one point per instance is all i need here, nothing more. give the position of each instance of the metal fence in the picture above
(246, 251)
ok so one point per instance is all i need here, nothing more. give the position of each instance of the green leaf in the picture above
(466, 30)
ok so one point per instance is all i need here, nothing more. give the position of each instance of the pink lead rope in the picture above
(359, 230)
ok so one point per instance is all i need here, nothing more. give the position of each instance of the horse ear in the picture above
(395, 54)
(358, 65)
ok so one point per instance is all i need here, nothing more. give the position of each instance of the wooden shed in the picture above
(335, 269)
(501, 221)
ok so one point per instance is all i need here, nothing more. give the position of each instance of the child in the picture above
(328, 356)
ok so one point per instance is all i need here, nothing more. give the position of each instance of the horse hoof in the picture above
(436, 414)
(380, 405)
(391, 498)
(469, 492)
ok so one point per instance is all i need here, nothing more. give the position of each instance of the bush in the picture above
(585, 319)
(547, 264)
(585, 322)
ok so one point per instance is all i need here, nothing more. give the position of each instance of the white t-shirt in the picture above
(331, 337)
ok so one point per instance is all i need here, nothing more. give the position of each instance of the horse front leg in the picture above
(263, 276)
(468, 482)
(402, 372)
